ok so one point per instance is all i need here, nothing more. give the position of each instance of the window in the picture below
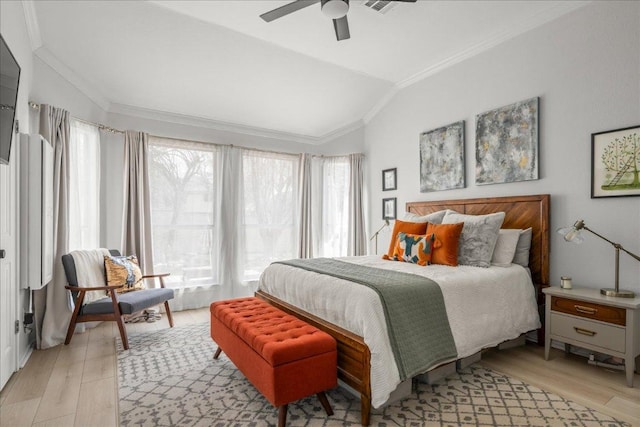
(184, 189)
(84, 186)
(270, 209)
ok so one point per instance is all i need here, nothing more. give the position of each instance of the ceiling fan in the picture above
(334, 9)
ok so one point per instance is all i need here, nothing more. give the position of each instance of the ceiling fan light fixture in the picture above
(335, 9)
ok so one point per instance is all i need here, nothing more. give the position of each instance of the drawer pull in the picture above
(584, 331)
(585, 310)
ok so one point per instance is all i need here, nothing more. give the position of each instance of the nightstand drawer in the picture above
(588, 332)
(590, 310)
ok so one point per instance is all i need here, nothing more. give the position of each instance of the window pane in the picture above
(183, 202)
(84, 186)
(270, 188)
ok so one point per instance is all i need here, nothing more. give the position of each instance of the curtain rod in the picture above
(36, 106)
(98, 125)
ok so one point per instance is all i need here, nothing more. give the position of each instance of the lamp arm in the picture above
(378, 232)
(615, 245)
(630, 253)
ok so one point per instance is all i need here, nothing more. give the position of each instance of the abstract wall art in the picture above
(507, 143)
(442, 158)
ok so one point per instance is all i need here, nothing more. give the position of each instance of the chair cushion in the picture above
(131, 302)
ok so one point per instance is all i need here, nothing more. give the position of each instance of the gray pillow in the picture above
(522, 249)
(433, 217)
(478, 238)
(505, 248)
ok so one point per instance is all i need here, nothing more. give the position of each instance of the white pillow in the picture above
(478, 238)
(522, 249)
(433, 217)
(505, 248)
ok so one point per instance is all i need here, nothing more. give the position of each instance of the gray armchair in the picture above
(115, 305)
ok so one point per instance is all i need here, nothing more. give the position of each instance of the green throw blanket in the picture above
(414, 310)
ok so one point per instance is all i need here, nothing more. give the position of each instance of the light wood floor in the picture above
(76, 385)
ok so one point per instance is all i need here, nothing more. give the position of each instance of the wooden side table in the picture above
(585, 318)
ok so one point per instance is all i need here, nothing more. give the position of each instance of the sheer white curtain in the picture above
(84, 186)
(222, 214)
(330, 200)
(184, 180)
(270, 210)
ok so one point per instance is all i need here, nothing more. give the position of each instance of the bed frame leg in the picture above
(365, 409)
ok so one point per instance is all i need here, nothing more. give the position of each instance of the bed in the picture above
(356, 366)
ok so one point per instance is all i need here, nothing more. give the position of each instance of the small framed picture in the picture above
(389, 179)
(615, 162)
(389, 208)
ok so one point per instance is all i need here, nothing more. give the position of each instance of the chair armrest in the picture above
(159, 276)
(151, 276)
(93, 288)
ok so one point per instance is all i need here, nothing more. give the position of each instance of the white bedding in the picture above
(485, 306)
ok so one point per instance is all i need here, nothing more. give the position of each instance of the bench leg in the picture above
(282, 415)
(218, 351)
(325, 403)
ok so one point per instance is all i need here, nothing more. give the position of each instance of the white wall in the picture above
(14, 31)
(585, 67)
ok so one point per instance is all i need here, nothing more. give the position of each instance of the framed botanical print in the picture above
(389, 177)
(389, 208)
(615, 163)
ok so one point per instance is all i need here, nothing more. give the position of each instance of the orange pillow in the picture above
(405, 227)
(445, 246)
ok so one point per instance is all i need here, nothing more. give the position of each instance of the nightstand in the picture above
(585, 318)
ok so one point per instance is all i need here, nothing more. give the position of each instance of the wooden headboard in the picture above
(520, 212)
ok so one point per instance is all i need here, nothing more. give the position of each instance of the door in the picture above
(8, 270)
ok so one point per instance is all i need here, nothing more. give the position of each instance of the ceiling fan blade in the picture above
(287, 9)
(341, 25)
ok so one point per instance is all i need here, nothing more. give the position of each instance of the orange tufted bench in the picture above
(285, 358)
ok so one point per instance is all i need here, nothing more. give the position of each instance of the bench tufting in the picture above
(284, 357)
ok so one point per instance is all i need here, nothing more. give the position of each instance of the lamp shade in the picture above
(573, 234)
(335, 9)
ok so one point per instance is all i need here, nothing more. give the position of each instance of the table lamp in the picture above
(574, 235)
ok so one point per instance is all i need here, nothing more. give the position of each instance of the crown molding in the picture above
(33, 27)
(330, 136)
(183, 119)
(386, 98)
(68, 74)
(557, 10)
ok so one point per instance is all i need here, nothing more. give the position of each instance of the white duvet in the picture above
(485, 306)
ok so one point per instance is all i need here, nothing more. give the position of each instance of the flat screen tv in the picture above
(9, 79)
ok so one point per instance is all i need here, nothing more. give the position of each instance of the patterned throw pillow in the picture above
(404, 227)
(123, 270)
(413, 248)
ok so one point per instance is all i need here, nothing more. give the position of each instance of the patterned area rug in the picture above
(169, 378)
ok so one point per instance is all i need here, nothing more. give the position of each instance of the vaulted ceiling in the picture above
(219, 62)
